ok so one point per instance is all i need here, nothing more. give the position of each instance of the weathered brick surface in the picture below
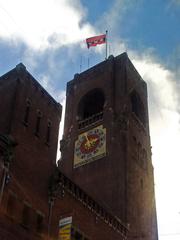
(84, 219)
(34, 160)
(120, 180)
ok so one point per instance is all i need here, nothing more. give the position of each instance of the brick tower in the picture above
(106, 144)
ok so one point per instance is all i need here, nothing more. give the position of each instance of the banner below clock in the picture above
(90, 146)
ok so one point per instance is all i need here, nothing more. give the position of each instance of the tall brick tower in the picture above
(106, 144)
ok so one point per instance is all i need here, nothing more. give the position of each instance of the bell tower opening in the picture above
(90, 107)
(138, 107)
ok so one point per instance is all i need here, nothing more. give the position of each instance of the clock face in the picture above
(90, 146)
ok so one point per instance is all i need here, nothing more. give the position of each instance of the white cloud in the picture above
(58, 94)
(43, 23)
(160, 78)
(61, 129)
(176, 2)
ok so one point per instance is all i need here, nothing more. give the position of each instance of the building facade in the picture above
(31, 118)
(37, 199)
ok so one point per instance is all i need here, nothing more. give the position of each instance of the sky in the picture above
(48, 37)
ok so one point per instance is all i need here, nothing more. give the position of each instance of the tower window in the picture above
(38, 121)
(27, 111)
(92, 103)
(26, 216)
(48, 132)
(138, 107)
(11, 205)
(141, 183)
(90, 108)
(39, 223)
(144, 159)
(77, 235)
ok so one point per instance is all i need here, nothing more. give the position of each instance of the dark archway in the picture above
(91, 104)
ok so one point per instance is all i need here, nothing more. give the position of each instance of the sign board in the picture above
(65, 228)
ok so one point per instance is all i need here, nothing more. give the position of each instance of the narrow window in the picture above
(39, 223)
(27, 111)
(138, 107)
(135, 148)
(142, 184)
(26, 216)
(76, 235)
(11, 205)
(38, 122)
(144, 157)
(139, 152)
(48, 132)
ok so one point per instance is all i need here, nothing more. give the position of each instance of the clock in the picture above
(90, 146)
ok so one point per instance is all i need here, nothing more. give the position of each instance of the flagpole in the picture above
(80, 64)
(88, 62)
(106, 43)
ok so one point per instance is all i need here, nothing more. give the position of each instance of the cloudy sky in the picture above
(48, 37)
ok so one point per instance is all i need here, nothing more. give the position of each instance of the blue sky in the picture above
(140, 25)
(144, 25)
(48, 37)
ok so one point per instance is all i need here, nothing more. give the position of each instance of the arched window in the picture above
(138, 107)
(91, 104)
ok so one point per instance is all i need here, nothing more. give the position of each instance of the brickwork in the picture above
(87, 215)
(35, 154)
(123, 179)
(31, 118)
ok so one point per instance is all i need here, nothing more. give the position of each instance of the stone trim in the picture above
(64, 184)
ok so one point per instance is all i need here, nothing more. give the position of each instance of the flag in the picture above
(93, 41)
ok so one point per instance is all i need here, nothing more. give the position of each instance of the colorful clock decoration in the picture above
(90, 146)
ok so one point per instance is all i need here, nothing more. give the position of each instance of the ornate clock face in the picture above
(90, 146)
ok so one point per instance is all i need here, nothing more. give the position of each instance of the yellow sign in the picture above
(90, 146)
(65, 228)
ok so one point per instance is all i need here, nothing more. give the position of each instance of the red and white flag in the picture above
(93, 41)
